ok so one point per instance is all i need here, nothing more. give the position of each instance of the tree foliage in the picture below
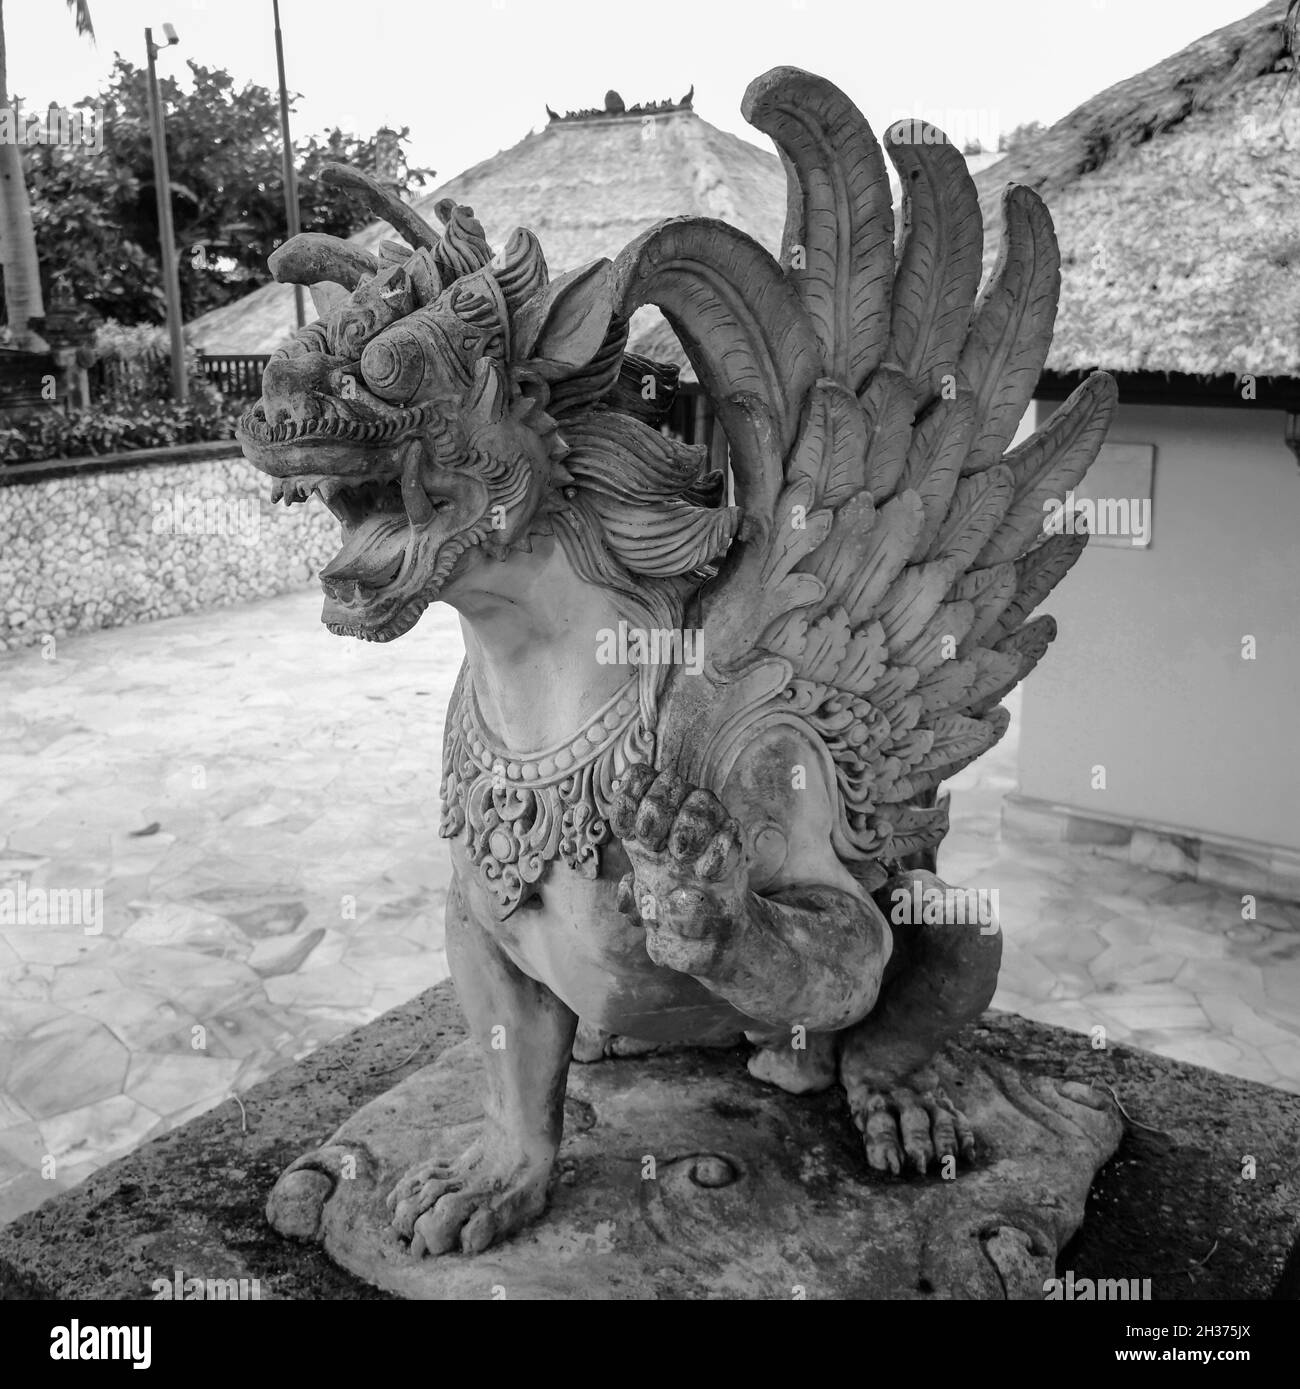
(1011, 139)
(95, 212)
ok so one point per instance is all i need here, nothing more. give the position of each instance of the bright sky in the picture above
(472, 77)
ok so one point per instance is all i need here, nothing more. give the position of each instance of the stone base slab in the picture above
(683, 1177)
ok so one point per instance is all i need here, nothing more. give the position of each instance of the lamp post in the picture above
(166, 234)
(290, 173)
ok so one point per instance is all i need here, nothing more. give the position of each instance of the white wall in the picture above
(1146, 676)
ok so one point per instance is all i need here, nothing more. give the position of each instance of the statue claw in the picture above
(902, 1127)
(469, 1204)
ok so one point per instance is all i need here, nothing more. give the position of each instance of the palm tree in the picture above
(22, 276)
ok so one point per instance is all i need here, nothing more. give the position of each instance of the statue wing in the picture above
(879, 593)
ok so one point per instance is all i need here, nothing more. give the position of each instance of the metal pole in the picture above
(290, 173)
(166, 233)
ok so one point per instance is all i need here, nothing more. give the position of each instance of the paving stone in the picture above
(172, 1085)
(64, 1065)
(98, 1131)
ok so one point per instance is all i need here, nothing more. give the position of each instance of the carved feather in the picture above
(989, 606)
(864, 661)
(958, 741)
(797, 530)
(832, 445)
(947, 687)
(1036, 576)
(888, 405)
(934, 460)
(978, 507)
(838, 216)
(1046, 466)
(839, 562)
(975, 582)
(910, 604)
(1030, 641)
(999, 673)
(1012, 328)
(940, 639)
(890, 544)
(916, 827)
(939, 271)
(827, 644)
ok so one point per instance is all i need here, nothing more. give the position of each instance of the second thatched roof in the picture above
(1176, 198)
(1175, 193)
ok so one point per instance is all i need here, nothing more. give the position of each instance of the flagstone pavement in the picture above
(258, 803)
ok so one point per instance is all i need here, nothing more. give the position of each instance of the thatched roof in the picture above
(1175, 193)
(587, 187)
(1176, 198)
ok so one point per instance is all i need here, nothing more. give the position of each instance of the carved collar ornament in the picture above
(520, 812)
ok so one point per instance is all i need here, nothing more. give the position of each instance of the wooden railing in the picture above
(237, 375)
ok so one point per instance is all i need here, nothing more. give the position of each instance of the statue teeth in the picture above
(277, 490)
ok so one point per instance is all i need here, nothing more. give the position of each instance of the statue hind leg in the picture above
(943, 975)
(524, 1033)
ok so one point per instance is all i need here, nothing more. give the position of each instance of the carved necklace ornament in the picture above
(522, 811)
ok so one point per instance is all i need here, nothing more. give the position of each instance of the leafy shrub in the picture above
(36, 435)
(136, 366)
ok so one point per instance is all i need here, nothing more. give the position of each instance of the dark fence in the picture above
(26, 379)
(134, 378)
(236, 375)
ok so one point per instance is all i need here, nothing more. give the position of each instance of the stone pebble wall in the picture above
(108, 548)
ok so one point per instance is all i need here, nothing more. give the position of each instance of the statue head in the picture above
(454, 405)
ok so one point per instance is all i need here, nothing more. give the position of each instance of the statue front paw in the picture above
(689, 883)
(481, 1198)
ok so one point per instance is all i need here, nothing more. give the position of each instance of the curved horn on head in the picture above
(408, 224)
(312, 258)
(744, 330)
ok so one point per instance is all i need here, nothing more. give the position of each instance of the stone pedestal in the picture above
(680, 1176)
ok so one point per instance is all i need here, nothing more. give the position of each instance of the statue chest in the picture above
(538, 869)
(518, 818)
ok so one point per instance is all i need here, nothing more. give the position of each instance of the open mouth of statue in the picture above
(399, 516)
(378, 532)
(349, 456)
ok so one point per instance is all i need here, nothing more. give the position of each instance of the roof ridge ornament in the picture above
(615, 108)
